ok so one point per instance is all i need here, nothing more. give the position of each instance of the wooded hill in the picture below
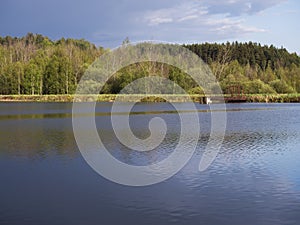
(258, 69)
(34, 64)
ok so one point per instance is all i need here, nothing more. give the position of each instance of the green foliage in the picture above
(34, 64)
(280, 86)
(254, 67)
(246, 53)
(196, 91)
(258, 87)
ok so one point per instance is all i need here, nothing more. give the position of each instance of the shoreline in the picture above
(263, 98)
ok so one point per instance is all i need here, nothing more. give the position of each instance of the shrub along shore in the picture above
(267, 98)
(36, 65)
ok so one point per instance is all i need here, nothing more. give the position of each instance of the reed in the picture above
(267, 98)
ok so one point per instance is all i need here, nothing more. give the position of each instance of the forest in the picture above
(36, 65)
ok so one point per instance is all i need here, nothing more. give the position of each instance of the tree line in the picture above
(34, 64)
(257, 69)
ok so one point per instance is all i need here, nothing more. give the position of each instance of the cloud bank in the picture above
(206, 19)
(109, 22)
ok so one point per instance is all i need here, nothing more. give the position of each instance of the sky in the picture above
(108, 23)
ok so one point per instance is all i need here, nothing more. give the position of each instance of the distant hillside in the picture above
(246, 53)
(259, 69)
(34, 64)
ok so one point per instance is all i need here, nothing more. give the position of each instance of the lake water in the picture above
(255, 178)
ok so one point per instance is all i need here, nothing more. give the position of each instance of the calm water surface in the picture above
(255, 179)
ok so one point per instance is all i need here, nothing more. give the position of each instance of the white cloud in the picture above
(189, 17)
(188, 10)
(159, 20)
(239, 7)
(231, 26)
(186, 20)
(203, 18)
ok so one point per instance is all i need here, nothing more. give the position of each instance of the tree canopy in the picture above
(251, 65)
(35, 64)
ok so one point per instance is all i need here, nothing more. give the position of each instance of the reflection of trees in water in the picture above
(47, 138)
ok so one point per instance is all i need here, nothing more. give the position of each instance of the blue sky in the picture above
(108, 23)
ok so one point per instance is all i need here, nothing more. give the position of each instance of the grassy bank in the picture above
(100, 98)
(268, 98)
(274, 98)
